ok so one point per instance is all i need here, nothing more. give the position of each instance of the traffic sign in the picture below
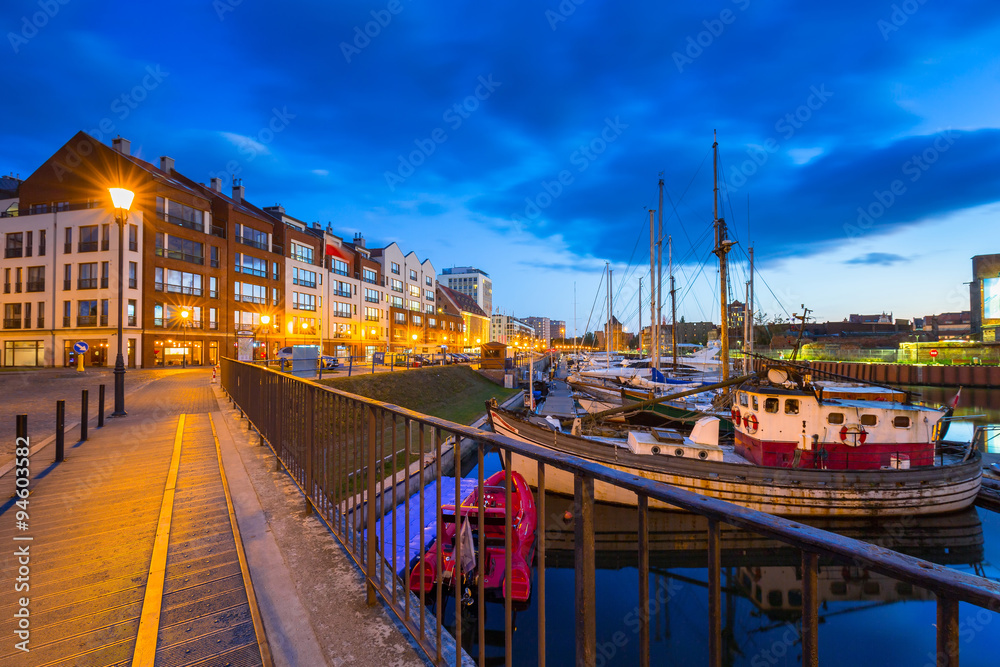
(933, 353)
(80, 347)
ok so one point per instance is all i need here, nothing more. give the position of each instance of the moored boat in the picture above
(491, 565)
(722, 473)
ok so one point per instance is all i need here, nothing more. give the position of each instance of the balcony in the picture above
(184, 257)
(66, 321)
(105, 245)
(13, 252)
(67, 248)
(67, 285)
(219, 231)
(104, 320)
(35, 286)
(157, 321)
(189, 224)
(12, 323)
(345, 294)
(371, 299)
(17, 288)
(181, 289)
(104, 282)
(86, 283)
(213, 326)
(371, 318)
(87, 246)
(86, 321)
(250, 242)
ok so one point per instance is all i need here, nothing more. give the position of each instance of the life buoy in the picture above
(735, 414)
(853, 434)
(750, 423)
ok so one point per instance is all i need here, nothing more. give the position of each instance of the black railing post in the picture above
(60, 430)
(100, 406)
(83, 415)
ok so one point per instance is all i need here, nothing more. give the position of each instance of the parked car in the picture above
(284, 353)
(329, 363)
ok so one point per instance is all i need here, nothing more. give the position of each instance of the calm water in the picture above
(866, 619)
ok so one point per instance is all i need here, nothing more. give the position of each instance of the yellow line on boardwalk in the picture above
(258, 623)
(149, 622)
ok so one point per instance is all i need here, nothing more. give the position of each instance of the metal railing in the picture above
(358, 461)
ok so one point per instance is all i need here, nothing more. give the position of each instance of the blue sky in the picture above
(859, 141)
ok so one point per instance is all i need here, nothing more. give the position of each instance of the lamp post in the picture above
(121, 199)
(184, 355)
(265, 320)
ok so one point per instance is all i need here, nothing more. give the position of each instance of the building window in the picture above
(88, 239)
(104, 275)
(27, 244)
(413, 305)
(213, 287)
(24, 353)
(15, 245)
(182, 282)
(428, 308)
(27, 315)
(104, 312)
(429, 295)
(68, 245)
(12, 316)
(133, 238)
(302, 301)
(340, 268)
(180, 214)
(413, 274)
(274, 296)
(302, 253)
(413, 290)
(86, 314)
(274, 271)
(397, 285)
(157, 314)
(6, 281)
(369, 276)
(371, 295)
(250, 293)
(41, 243)
(174, 247)
(417, 320)
(399, 318)
(133, 270)
(67, 305)
(371, 314)
(395, 268)
(131, 312)
(105, 237)
(342, 310)
(87, 278)
(251, 237)
(253, 266)
(213, 258)
(428, 281)
(36, 279)
(41, 314)
(397, 302)
(212, 322)
(303, 278)
(342, 289)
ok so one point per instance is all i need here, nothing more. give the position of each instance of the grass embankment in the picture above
(455, 393)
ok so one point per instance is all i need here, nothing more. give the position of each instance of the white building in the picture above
(60, 277)
(472, 282)
(512, 331)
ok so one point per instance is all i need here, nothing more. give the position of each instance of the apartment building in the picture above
(475, 328)
(373, 311)
(411, 296)
(512, 331)
(60, 284)
(472, 282)
(542, 327)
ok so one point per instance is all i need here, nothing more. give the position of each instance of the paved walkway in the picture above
(135, 553)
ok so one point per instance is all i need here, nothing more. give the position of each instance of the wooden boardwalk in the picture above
(135, 556)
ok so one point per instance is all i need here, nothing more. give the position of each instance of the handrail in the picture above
(365, 419)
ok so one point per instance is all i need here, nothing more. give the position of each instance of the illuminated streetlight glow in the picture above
(265, 319)
(121, 198)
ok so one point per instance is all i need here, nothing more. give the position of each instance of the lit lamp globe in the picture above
(265, 319)
(121, 198)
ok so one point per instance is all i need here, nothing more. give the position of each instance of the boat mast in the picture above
(640, 316)
(610, 316)
(721, 248)
(750, 295)
(659, 273)
(653, 340)
(673, 304)
(576, 343)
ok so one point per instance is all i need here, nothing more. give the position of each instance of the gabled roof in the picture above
(461, 301)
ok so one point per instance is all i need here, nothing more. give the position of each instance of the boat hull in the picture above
(781, 491)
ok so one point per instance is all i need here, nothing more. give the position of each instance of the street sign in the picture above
(80, 347)
(933, 353)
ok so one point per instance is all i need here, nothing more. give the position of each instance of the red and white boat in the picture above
(490, 565)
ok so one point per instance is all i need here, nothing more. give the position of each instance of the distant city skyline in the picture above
(857, 141)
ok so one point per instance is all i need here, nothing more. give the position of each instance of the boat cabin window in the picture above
(774, 598)
(902, 421)
(754, 402)
(835, 418)
(795, 598)
(770, 405)
(791, 406)
(867, 420)
(743, 399)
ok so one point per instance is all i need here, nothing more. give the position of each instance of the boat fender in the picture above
(853, 434)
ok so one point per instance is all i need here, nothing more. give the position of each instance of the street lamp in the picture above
(265, 320)
(184, 355)
(121, 199)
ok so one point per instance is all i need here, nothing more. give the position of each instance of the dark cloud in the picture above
(878, 259)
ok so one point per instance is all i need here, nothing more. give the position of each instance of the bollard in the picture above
(60, 430)
(21, 433)
(83, 415)
(100, 406)
(350, 366)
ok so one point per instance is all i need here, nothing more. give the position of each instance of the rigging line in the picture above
(596, 294)
(776, 299)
